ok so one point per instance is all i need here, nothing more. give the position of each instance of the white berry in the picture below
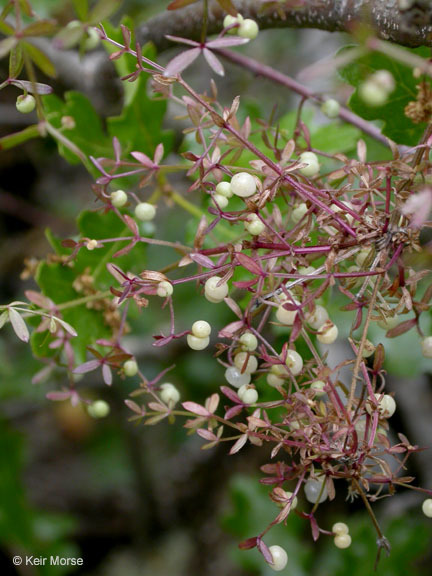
(201, 329)
(224, 189)
(280, 558)
(145, 211)
(118, 198)
(342, 541)
(245, 362)
(294, 362)
(311, 160)
(372, 94)
(213, 292)
(254, 225)
(247, 394)
(298, 212)
(235, 378)
(25, 103)
(315, 488)
(274, 380)
(384, 79)
(427, 507)
(243, 184)
(368, 349)
(164, 289)
(98, 409)
(340, 528)
(92, 40)
(220, 201)
(386, 405)
(328, 333)
(330, 108)
(426, 347)
(317, 318)
(248, 341)
(248, 29)
(197, 343)
(130, 368)
(318, 386)
(284, 316)
(389, 322)
(91, 245)
(169, 394)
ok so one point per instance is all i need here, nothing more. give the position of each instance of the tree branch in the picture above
(412, 27)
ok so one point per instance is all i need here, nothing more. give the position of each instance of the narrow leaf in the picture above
(196, 409)
(182, 61)
(213, 62)
(19, 326)
(249, 263)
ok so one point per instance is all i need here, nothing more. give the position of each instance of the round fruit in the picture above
(130, 368)
(213, 292)
(317, 318)
(91, 245)
(361, 257)
(118, 198)
(247, 394)
(197, 343)
(164, 289)
(340, 528)
(330, 108)
(25, 103)
(169, 394)
(92, 40)
(372, 94)
(201, 329)
(248, 29)
(245, 362)
(426, 347)
(243, 184)
(427, 507)
(368, 349)
(389, 322)
(235, 378)
(328, 333)
(284, 316)
(311, 160)
(386, 405)
(275, 380)
(280, 558)
(342, 541)
(220, 201)
(224, 189)
(294, 362)
(248, 341)
(315, 488)
(384, 79)
(254, 225)
(298, 213)
(318, 386)
(98, 409)
(145, 211)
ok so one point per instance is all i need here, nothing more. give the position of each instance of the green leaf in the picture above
(16, 61)
(40, 59)
(12, 140)
(40, 28)
(103, 9)
(396, 125)
(81, 8)
(6, 45)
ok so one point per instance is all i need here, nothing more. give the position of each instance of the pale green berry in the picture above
(298, 212)
(274, 380)
(368, 349)
(91, 245)
(361, 257)
(317, 318)
(220, 201)
(130, 368)
(315, 490)
(247, 394)
(294, 362)
(347, 215)
(389, 322)
(235, 378)
(384, 79)
(373, 94)
(92, 40)
(145, 211)
(243, 184)
(98, 409)
(426, 347)
(318, 386)
(197, 343)
(224, 189)
(164, 289)
(118, 198)
(25, 103)
(330, 108)
(311, 160)
(245, 362)
(248, 29)
(328, 333)
(214, 292)
(427, 507)
(254, 225)
(340, 528)
(342, 541)
(169, 394)
(280, 558)
(386, 405)
(201, 329)
(284, 316)
(248, 341)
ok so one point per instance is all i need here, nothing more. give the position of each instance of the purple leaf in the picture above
(230, 329)
(213, 62)
(196, 409)
(229, 393)
(182, 40)
(107, 374)
(202, 260)
(249, 263)
(143, 159)
(248, 544)
(32, 87)
(18, 325)
(239, 444)
(314, 528)
(182, 61)
(231, 412)
(263, 548)
(226, 42)
(58, 396)
(86, 367)
(207, 434)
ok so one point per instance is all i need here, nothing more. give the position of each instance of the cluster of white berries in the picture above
(199, 339)
(377, 88)
(318, 320)
(169, 394)
(342, 538)
(244, 27)
(215, 290)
